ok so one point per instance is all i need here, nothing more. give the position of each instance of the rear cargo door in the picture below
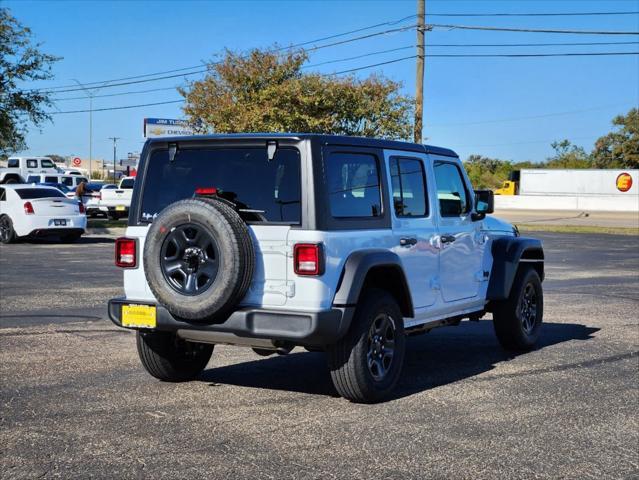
(265, 192)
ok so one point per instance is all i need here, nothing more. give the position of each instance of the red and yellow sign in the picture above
(624, 182)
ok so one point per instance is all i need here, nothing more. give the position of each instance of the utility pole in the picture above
(419, 81)
(115, 139)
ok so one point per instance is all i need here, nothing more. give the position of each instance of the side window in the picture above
(13, 163)
(51, 179)
(32, 164)
(451, 190)
(353, 185)
(409, 187)
(3, 195)
(33, 179)
(68, 181)
(47, 163)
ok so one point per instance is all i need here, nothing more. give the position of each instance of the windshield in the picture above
(33, 193)
(263, 190)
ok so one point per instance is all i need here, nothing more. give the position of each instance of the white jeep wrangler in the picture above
(345, 245)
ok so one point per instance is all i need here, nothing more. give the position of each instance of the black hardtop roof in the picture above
(325, 139)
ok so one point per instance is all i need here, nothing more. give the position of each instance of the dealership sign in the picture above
(165, 127)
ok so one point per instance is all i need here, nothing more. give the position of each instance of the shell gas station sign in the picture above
(166, 127)
(624, 182)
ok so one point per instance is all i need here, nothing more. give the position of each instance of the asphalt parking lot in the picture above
(77, 404)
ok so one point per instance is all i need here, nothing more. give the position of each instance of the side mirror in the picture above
(484, 203)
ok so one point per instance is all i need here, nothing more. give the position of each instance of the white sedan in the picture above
(37, 211)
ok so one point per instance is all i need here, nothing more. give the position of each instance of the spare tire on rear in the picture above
(199, 259)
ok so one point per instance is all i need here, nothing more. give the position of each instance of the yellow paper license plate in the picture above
(120, 208)
(139, 316)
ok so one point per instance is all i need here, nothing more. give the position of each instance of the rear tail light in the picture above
(206, 191)
(28, 208)
(308, 258)
(125, 252)
(99, 195)
(81, 207)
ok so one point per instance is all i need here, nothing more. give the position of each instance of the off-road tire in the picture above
(508, 315)
(348, 358)
(236, 260)
(10, 237)
(169, 358)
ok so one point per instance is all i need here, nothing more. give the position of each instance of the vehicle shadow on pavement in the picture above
(444, 356)
(81, 241)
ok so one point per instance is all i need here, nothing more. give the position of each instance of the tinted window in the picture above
(263, 190)
(68, 181)
(127, 183)
(51, 179)
(13, 163)
(47, 164)
(32, 164)
(409, 190)
(451, 190)
(33, 179)
(353, 185)
(33, 193)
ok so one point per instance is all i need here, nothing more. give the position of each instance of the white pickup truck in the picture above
(19, 168)
(115, 202)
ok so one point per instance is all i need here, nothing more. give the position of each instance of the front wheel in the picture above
(518, 319)
(366, 364)
(169, 358)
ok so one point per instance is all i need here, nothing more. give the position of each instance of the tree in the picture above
(268, 92)
(20, 61)
(486, 172)
(568, 155)
(56, 158)
(620, 148)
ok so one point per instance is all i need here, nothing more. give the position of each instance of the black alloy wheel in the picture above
(190, 259)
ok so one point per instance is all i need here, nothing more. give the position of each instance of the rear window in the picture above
(13, 163)
(33, 193)
(127, 183)
(263, 190)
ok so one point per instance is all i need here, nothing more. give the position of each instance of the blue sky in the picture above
(473, 105)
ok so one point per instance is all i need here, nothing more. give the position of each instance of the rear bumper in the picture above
(43, 225)
(53, 232)
(300, 328)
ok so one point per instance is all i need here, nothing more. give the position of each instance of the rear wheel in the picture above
(171, 359)
(518, 319)
(7, 233)
(366, 364)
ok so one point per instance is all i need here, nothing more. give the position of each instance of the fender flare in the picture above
(508, 253)
(354, 273)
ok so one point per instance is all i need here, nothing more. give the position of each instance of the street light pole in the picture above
(115, 139)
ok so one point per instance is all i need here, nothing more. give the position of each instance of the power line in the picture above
(298, 45)
(117, 108)
(532, 30)
(516, 55)
(552, 44)
(560, 14)
(529, 117)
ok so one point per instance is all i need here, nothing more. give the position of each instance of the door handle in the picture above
(407, 242)
(448, 238)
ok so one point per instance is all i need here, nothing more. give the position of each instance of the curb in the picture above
(117, 231)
